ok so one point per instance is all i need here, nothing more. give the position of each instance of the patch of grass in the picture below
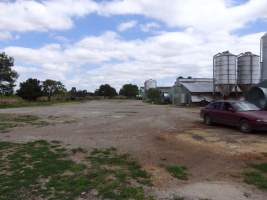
(112, 174)
(5, 126)
(8, 121)
(178, 172)
(175, 197)
(38, 169)
(257, 175)
(261, 167)
(21, 103)
(71, 121)
(42, 170)
(78, 150)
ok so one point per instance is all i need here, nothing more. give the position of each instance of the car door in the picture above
(228, 115)
(215, 112)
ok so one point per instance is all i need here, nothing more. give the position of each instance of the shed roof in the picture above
(199, 87)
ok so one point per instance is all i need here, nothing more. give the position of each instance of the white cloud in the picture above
(23, 69)
(204, 15)
(149, 26)
(127, 25)
(5, 36)
(30, 15)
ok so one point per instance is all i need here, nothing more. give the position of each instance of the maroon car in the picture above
(241, 114)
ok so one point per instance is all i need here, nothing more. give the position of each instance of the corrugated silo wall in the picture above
(264, 58)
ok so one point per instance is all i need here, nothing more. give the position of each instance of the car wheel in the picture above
(245, 126)
(207, 120)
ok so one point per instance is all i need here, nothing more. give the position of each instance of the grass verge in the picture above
(257, 175)
(42, 170)
(34, 104)
(8, 121)
(178, 172)
(117, 176)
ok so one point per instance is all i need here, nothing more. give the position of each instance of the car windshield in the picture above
(245, 106)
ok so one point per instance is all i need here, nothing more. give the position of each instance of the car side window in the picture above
(210, 106)
(227, 107)
(217, 106)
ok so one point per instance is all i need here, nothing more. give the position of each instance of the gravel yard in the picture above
(156, 136)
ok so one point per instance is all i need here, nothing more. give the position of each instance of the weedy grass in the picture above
(257, 175)
(117, 176)
(39, 169)
(178, 172)
(22, 103)
(8, 121)
(44, 170)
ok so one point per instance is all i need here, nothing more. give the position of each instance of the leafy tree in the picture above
(7, 76)
(106, 91)
(52, 87)
(31, 89)
(129, 90)
(154, 95)
(73, 93)
(81, 93)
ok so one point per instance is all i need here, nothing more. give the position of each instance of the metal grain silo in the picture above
(264, 57)
(224, 72)
(248, 70)
(150, 84)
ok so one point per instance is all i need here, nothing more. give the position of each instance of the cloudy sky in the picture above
(85, 43)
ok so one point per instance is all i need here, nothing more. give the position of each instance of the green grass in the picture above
(33, 104)
(38, 169)
(178, 172)
(8, 121)
(112, 174)
(15, 102)
(257, 175)
(44, 170)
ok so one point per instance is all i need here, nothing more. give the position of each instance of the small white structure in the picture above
(150, 84)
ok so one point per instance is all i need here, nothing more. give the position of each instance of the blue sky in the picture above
(85, 43)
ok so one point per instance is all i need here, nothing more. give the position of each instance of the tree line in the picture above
(32, 89)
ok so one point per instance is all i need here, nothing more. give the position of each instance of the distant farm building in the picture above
(187, 91)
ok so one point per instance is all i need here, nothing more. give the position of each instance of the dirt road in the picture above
(157, 136)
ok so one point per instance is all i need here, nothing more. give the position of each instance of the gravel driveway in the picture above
(156, 136)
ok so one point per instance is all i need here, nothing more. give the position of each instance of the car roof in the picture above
(228, 101)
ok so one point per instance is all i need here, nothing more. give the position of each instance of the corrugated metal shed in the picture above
(199, 98)
(192, 90)
(258, 95)
(199, 87)
(263, 83)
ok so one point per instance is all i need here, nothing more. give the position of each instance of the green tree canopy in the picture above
(31, 89)
(74, 93)
(106, 91)
(8, 76)
(154, 95)
(52, 87)
(129, 90)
